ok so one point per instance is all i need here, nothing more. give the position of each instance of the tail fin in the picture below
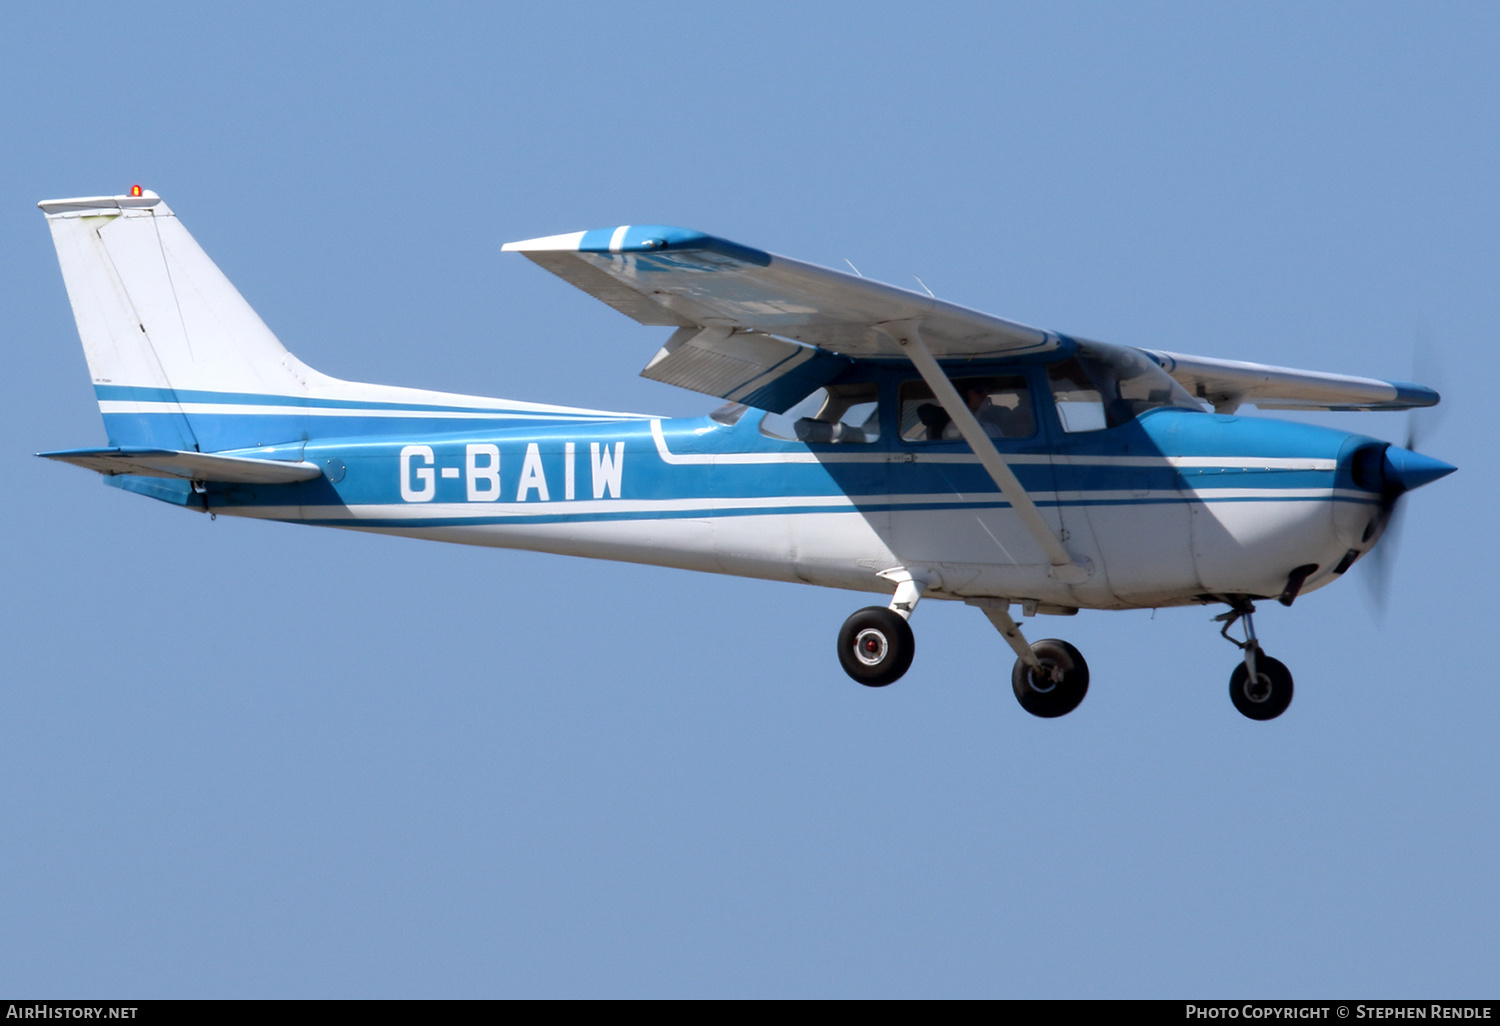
(158, 319)
(181, 362)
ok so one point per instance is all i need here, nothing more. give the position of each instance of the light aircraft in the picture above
(874, 439)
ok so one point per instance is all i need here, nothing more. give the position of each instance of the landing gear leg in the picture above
(1050, 677)
(876, 645)
(1260, 687)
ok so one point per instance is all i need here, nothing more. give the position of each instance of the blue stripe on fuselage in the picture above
(1123, 466)
(247, 419)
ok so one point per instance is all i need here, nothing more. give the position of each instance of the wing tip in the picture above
(1415, 396)
(567, 242)
(641, 238)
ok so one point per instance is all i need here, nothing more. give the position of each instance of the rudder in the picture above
(159, 320)
(180, 362)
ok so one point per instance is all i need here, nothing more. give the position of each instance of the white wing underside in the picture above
(1228, 383)
(697, 286)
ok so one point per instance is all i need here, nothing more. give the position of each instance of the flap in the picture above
(743, 367)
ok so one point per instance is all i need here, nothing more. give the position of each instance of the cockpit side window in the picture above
(1106, 386)
(1080, 403)
(845, 414)
(1001, 403)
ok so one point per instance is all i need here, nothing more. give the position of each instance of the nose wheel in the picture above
(1260, 687)
(1267, 695)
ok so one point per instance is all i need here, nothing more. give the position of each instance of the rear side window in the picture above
(846, 414)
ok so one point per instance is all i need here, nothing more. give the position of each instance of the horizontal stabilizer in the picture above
(1228, 383)
(188, 466)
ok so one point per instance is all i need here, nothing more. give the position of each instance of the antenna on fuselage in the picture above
(852, 267)
(925, 288)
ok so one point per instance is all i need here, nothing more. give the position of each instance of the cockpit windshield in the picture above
(1106, 386)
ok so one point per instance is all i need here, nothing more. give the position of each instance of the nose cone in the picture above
(1409, 470)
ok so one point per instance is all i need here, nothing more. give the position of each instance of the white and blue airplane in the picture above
(874, 439)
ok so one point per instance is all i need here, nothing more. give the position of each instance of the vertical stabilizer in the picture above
(181, 362)
(158, 319)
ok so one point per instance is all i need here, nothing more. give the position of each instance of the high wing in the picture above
(736, 307)
(661, 275)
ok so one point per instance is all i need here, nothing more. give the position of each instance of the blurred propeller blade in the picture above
(1380, 562)
(1405, 468)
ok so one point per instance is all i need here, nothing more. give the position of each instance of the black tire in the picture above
(876, 646)
(1272, 695)
(1043, 696)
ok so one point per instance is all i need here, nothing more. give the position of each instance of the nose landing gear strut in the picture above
(1260, 687)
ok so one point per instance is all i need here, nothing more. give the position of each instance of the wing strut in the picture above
(1065, 567)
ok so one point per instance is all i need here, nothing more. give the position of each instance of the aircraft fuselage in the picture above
(1170, 508)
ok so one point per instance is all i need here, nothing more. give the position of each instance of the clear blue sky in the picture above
(246, 759)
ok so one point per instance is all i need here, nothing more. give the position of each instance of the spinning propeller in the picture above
(1401, 469)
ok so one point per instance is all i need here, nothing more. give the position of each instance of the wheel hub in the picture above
(870, 647)
(1044, 680)
(1258, 690)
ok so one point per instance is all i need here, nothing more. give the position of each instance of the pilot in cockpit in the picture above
(1009, 417)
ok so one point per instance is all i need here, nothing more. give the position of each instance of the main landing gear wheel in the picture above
(1058, 687)
(876, 646)
(1269, 695)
